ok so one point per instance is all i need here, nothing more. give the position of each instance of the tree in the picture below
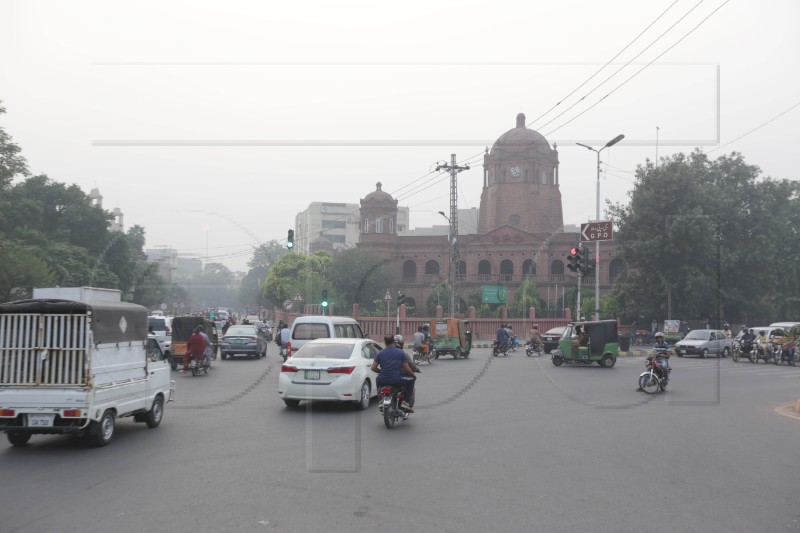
(11, 162)
(20, 271)
(525, 297)
(266, 254)
(358, 276)
(700, 229)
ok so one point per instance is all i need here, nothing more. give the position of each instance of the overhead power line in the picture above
(779, 115)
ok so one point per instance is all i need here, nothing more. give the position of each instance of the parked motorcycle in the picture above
(535, 350)
(654, 378)
(390, 405)
(500, 348)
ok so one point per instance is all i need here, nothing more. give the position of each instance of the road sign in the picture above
(388, 297)
(298, 297)
(597, 231)
(287, 304)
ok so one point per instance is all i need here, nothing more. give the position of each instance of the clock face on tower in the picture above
(515, 171)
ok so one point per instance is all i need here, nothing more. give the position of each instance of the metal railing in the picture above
(38, 349)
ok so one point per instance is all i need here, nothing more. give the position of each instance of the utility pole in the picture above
(454, 169)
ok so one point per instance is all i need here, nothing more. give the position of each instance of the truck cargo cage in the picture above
(43, 349)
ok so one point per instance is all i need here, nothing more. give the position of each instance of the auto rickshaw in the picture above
(452, 336)
(182, 329)
(600, 344)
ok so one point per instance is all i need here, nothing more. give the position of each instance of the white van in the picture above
(307, 328)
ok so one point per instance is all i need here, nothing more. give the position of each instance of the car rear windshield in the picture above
(241, 330)
(325, 351)
(158, 324)
(309, 331)
(697, 335)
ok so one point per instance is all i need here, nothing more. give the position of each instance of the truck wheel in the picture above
(102, 432)
(156, 412)
(18, 438)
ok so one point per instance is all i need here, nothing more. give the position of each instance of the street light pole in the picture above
(610, 143)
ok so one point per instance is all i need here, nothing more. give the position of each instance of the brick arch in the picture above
(432, 267)
(484, 270)
(529, 267)
(506, 270)
(409, 271)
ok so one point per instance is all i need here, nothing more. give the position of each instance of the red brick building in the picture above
(520, 230)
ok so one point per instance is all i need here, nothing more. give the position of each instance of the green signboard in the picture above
(493, 294)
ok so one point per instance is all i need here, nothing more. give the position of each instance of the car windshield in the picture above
(158, 324)
(555, 331)
(241, 330)
(314, 350)
(697, 335)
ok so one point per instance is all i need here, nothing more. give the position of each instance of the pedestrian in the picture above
(654, 327)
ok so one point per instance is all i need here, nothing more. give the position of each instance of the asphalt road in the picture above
(497, 444)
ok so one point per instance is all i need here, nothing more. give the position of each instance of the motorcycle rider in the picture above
(663, 351)
(501, 336)
(392, 366)
(764, 346)
(419, 338)
(207, 353)
(578, 339)
(195, 347)
(536, 337)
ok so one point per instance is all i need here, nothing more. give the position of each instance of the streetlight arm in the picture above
(586, 146)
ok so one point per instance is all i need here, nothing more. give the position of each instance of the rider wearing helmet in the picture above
(662, 353)
(536, 337)
(763, 343)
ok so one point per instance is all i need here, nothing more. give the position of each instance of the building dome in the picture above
(520, 139)
(378, 196)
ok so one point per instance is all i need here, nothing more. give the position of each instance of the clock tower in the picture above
(520, 183)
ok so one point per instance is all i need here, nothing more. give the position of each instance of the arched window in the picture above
(615, 268)
(366, 225)
(513, 220)
(506, 270)
(409, 272)
(391, 226)
(529, 267)
(432, 268)
(379, 225)
(557, 270)
(484, 270)
(461, 270)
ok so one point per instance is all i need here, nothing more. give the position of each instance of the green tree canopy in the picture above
(693, 225)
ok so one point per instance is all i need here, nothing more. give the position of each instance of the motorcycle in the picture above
(500, 348)
(782, 354)
(199, 366)
(420, 354)
(654, 378)
(534, 349)
(284, 353)
(514, 343)
(390, 405)
(769, 354)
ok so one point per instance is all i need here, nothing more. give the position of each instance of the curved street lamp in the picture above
(609, 144)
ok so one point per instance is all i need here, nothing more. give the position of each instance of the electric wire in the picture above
(779, 115)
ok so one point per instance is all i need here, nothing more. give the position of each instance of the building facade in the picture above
(520, 233)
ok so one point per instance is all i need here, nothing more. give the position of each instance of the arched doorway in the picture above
(432, 269)
(461, 270)
(506, 270)
(529, 267)
(557, 271)
(409, 272)
(484, 271)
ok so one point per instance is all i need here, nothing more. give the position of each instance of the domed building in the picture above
(520, 231)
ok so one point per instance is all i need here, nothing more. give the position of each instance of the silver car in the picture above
(704, 342)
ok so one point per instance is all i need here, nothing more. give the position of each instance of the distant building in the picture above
(97, 199)
(173, 267)
(519, 233)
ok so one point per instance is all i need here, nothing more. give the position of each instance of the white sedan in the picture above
(330, 369)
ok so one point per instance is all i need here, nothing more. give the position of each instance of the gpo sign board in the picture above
(597, 231)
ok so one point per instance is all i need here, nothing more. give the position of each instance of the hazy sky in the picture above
(233, 116)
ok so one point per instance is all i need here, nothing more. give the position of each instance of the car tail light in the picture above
(253, 339)
(287, 368)
(288, 349)
(8, 412)
(341, 370)
(73, 413)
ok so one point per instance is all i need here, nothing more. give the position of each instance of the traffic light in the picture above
(589, 262)
(575, 258)
(401, 298)
(324, 298)
(290, 239)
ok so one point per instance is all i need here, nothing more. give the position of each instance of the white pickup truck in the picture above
(76, 359)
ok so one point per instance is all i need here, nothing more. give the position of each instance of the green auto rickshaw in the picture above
(598, 344)
(452, 336)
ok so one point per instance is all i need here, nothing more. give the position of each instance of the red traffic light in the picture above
(574, 251)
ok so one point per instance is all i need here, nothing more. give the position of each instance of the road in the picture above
(497, 444)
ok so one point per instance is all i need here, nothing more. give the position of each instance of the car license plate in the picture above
(312, 374)
(40, 421)
(238, 341)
